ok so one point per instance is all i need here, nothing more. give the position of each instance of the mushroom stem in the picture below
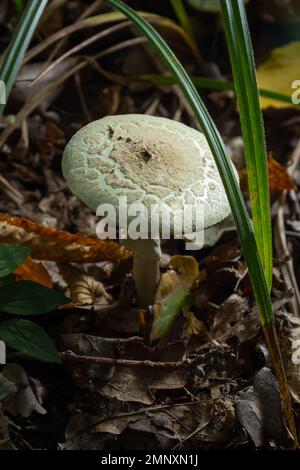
(146, 272)
(146, 277)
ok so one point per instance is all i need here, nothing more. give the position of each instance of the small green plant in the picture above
(24, 298)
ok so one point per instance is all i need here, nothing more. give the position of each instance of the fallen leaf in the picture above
(193, 326)
(279, 179)
(84, 289)
(278, 73)
(189, 426)
(88, 345)
(32, 271)
(25, 400)
(172, 294)
(234, 318)
(78, 435)
(135, 384)
(259, 409)
(55, 245)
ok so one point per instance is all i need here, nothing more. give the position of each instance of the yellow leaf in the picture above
(278, 73)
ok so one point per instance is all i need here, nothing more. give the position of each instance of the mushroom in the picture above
(150, 160)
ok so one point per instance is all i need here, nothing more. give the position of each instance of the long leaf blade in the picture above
(14, 55)
(29, 338)
(235, 198)
(243, 67)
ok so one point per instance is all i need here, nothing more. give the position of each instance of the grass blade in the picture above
(235, 198)
(243, 67)
(184, 20)
(12, 60)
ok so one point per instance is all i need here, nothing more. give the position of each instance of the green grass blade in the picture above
(243, 67)
(12, 60)
(235, 197)
(214, 84)
(184, 19)
(19, 6)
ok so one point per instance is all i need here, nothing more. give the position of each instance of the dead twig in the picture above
(77, 359)
(72, 358)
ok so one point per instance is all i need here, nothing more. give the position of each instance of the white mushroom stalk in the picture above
(154, 162)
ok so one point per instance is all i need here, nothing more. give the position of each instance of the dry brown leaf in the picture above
(26, 399)
(56, 245)
(84, 289)
(279, 179)
(193, 326)
(32, 271)
(135, 385)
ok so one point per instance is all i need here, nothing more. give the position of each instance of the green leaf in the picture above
(243, 67)
(217, 146)
(7, 280)
(184, 20)
(19, 6)
(173, 294)
(29, 338)
(29, 298)
(20, 41)
(11, 256)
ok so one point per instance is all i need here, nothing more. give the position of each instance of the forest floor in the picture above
(208, 383)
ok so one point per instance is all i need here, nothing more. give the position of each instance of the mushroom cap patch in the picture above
(148, 159)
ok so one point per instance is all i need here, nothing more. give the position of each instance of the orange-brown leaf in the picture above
(32, 271)
(279, 178)
(56, 245)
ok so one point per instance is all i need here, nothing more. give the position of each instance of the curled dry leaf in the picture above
(279, 179)
(55, 245)
(84, 289)
(32, 271)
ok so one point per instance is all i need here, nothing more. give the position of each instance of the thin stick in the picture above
(72, 358)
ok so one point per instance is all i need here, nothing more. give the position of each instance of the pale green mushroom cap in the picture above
(148, 159)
